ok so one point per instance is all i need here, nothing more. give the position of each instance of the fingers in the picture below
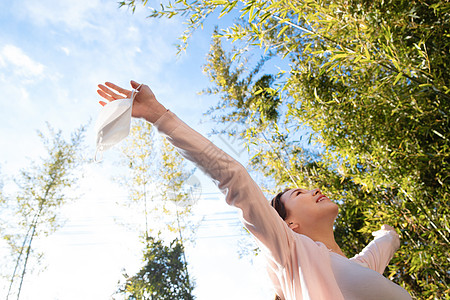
(118, 88)
(123, 93)
(105, 95)
(109, 91)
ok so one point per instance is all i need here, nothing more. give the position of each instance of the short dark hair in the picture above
(278, 205)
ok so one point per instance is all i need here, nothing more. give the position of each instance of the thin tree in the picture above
(42, 189)
(156, 181)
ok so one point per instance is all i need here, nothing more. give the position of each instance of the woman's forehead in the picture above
(287, 194)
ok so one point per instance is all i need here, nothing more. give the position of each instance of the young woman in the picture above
(295, 232)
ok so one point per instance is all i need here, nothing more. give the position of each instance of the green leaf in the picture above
(397, 78)
(283, 30)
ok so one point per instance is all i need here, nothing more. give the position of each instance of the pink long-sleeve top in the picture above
(299, 267)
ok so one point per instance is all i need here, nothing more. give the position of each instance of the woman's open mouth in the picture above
(321, 198)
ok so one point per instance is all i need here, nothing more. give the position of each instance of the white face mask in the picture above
(113, 123)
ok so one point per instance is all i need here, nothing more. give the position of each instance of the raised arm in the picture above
(229, 175)
(379, 252)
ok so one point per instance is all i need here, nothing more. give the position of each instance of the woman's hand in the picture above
(145, 105)
(384, 228)
(387, 227)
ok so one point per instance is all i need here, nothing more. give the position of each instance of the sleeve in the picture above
(235, 183)
(379, 252)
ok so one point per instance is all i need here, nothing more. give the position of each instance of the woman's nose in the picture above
(315, 191)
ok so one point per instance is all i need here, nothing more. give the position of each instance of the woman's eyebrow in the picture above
(293, 191)
(296, 190)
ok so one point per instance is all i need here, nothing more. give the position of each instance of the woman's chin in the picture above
(334, 209)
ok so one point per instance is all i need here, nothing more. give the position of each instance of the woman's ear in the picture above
(293, 225)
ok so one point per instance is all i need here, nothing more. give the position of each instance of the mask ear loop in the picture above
(134, 92)
(98, 155)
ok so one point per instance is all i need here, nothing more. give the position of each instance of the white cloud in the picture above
(20, 62)
(71, 13)
(65, 50)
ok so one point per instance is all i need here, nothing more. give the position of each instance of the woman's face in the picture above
(309, 208)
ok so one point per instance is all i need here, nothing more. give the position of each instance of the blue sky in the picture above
(52, 56)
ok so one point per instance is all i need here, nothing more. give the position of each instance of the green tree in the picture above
(164, 275)
(42, 188)
(385, 150)
(359, 108)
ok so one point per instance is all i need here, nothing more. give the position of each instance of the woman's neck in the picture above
(327, 238)
(335, 248)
